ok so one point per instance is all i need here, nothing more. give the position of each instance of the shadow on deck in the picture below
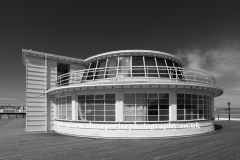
(15, 143)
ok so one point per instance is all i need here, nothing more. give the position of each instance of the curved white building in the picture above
(120, 94)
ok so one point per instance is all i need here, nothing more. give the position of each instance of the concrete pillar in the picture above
(119, 106)
(173, 106)
(51, 112)
(212, 107)
(74, 106)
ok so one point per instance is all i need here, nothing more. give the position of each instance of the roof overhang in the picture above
(50, 56)
(135, 53)
(216, 91)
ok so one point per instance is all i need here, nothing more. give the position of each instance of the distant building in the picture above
(120, 94)
(9, 110)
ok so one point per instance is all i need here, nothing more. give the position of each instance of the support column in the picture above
(74, 106)
(212, 107)
(119, 106)
(173, 106)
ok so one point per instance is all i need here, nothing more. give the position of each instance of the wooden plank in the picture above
(35, 65)
(35, 104)
(31, 86)
(39, 99)
(36, 123)
(30, 118)
(35, 90)
(35, 128)
(40, 70)
(35, 113)
(35, 74)
(36, 82)
(35, 95)
(35, 78)
(35, 109)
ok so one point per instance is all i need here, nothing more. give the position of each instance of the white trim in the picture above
(132, 52)
(46, 112)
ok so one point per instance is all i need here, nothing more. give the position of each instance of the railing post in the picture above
(218, 116)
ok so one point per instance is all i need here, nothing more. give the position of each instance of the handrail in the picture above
(172, 74)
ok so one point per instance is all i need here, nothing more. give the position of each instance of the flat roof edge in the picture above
(54, 56)
(134, 50)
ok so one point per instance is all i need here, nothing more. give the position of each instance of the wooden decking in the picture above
(15, 143)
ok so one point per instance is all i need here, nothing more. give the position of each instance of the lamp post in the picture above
(229, 110)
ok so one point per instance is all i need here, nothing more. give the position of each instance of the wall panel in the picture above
(35, 97)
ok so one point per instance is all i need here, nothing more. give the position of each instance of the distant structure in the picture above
(119, 94)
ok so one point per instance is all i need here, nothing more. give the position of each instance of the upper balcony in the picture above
(135, 74)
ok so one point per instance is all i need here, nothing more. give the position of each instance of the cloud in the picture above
(221, 61)
(9, 99)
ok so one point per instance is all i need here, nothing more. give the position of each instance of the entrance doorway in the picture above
(62, 69)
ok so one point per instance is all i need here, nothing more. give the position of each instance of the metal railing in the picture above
(226, 116)
(138, 73)
(12, 115)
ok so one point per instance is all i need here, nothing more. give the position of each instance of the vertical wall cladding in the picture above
(51, 77)
(35, 97)
(35, 91)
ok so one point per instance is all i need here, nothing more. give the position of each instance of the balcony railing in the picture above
(134, 73)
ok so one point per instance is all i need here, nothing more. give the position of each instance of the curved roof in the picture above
(134, 52)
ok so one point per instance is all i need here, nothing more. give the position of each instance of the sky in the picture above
(205, 34)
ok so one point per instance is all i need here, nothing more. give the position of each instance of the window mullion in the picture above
(105, 69)
(144, 66)
(167, 69)
(156, 66)
(131, 65)
(95, 70)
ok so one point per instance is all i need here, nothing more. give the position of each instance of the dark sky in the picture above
(84, 28)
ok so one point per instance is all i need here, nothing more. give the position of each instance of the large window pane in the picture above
(151, 69)
(100, 72)
(162, 69)
(194, 106)
(124, 67)
(138, 71)
(64, 108)
(99, 107)
(91, 71)
(69, 108)
(111, 67)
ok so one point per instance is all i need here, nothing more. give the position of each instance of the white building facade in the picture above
(120, 94)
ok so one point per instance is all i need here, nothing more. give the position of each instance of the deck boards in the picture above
(16, 143)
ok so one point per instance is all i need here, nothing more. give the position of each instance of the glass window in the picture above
(171, 69)
(91, 70)
(162, 69)
(124, 67)
(100, 72)
(138, 71)
(179, 71)
(64, 108)
(146, 106)
(112, 67)
(193, 106)
(151, 69)
(99, 107)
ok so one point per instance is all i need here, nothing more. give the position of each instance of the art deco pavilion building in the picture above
(119, 94)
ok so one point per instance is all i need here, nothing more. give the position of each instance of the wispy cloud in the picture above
(9, 99)
(222, 61)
